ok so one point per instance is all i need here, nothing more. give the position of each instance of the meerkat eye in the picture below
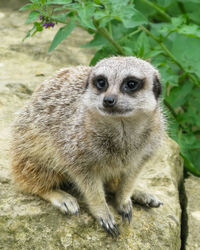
(101, 83)
(130, 85)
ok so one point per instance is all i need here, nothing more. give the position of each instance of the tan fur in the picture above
(64, 134)
(41, 181)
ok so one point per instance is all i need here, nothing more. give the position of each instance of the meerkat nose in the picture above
(109, 101)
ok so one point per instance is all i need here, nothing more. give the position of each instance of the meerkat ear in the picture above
(157, 87)
(87, 81)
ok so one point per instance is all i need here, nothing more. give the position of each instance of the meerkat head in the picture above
(122, 86)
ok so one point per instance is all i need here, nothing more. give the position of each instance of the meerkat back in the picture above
(36, 161)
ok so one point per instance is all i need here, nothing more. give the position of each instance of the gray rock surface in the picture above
(27, 222)
(192, 188)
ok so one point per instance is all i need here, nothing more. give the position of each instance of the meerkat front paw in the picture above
(146, 199)
(108, 223)
(63, 201)
(125, 210)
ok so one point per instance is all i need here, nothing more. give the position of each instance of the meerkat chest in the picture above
(112, 148)
(119, 146)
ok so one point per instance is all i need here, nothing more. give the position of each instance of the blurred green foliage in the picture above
(165, 32)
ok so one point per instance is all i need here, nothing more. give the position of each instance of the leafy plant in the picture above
(165, 32)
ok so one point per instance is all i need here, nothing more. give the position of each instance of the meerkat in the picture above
(89, 125)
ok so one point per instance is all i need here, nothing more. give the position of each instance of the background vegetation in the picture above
(164, 32)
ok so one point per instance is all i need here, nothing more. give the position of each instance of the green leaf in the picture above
(153, 53)
(144, 8)
(97, 57)
(61, 17)
(132, 18)
(28, 6)
(62, 34)
(169, 74)
(102, 53)
(119, 31)
(142, 45)
(189, 166)
(165, 3)
(97, 1)
(38, 26)
(178, 94)
(98, 41)
(59, 2)
(192, 30)
(187, 51)
(177, 21)
(193, 1)
(192, 116)
(103, 18)
(128, 51)
(32, 16)
(85, 15)
(28, 34)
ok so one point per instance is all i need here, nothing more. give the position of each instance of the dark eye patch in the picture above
(131, 84)
(157, 87)
(100, 82)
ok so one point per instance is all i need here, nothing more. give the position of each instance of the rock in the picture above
(28, 222)
(16, 4)
(192, 188)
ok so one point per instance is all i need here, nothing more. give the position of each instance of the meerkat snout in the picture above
(109, 101)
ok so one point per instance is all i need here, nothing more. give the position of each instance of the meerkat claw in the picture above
(125, 210)
(126, 215)
(117, 229)
(129, 216)
(110, 228)
(155, 203)
(146, 199)
(69, 210)
(123, 214)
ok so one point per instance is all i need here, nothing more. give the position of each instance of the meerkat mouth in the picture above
(115, 111)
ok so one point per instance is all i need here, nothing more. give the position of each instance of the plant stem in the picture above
(106, 34)
(134, 32)
(182, 7)
(110, 28)
(130, 34)
(171, 55)
(162, 46)
(156, 7)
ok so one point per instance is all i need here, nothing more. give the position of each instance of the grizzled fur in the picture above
(64, 133)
